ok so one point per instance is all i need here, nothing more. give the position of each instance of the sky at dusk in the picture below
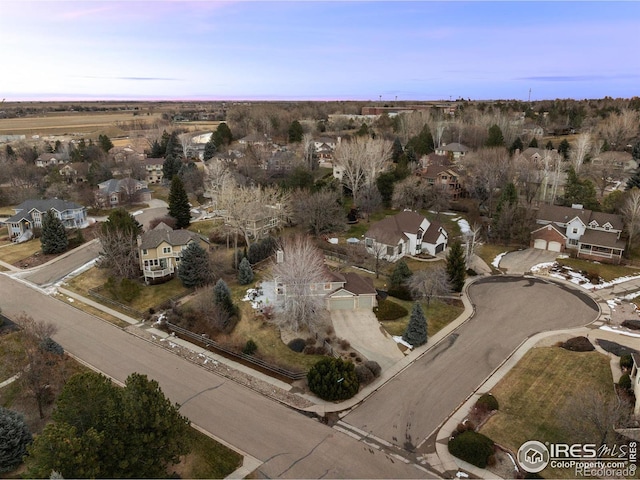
(318, 50)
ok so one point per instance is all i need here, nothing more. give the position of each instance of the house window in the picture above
(368, 242)
(400, 248)
(573, 241)
(575, 230)
(144, 251)
(390, 251)
(327, 286)
(166, 249)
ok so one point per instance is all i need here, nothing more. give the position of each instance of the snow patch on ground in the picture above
(402, 342)
(70, 300)
(463, 224)
(496, 261)
(461, 475)
(619, 331)
(137, 212)
(613, 304)
(262, 295)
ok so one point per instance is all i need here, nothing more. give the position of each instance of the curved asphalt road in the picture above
(410, 407)
(289, 444)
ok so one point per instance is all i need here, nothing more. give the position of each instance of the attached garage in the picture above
(548, 238)
(342, 302)
(554, 246)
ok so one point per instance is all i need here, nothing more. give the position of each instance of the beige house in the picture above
(160, 251)
(153, 170)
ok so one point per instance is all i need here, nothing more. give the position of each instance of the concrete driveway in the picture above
(365, 334)
(521, 261)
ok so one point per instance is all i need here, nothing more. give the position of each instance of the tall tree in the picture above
(222, 136)
(14, 438)
(210, 148)
(580, 191)
(245, 272)
(396, 150)
(319, 212)
(295, 132)
(400, 275)
(416, 332)
(179, 207)
(564, 148)
(429, 283)
(222, 296)
(171, 167)
(54, 235)
(105, 143)
(194, 269)
(517, 145)
(118, 236)
(422, 144)
(631, 213)
(456, 270)
(495, 139)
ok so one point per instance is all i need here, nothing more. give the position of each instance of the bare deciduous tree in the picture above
(620, 128)
(485, 171)
(631, 213)
(580, 151)
(410, 193)
(429, 283)
(320, 212)
(301, 275)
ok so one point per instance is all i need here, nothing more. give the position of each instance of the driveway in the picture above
(365, 334)
(411, 406)
(517, 263)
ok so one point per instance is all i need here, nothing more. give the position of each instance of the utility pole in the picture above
(529, 95)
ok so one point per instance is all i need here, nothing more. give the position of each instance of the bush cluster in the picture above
(297, 345)
(631, 324)
(615, 348)
(367, 372)
(626, 362)
(401, 292)
(333, 379)
(388, 310)
(578, 344)
(625, 382)
(487, 402)
(472, 447)
(250, 347)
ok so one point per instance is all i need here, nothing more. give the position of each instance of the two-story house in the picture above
(591, 235)
(29, 215)
(75, 172)
(444, 178)
(153, 169)
(160, 249)
(455, 151)
(406, 233)
(114, 192)
(50, 160)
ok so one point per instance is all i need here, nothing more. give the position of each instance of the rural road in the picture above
(289, 444)
(411, 406)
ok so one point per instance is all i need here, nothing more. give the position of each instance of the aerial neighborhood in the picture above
(360, 267)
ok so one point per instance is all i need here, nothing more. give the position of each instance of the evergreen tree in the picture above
(635, 151)
(54, 236)
(179, 207)
(295, 132)
(516, 145)
(245, 272)
(401, 273)
(456, 269)
(396, 150)
(105, 143)
(422, 144)
(222, 136)
(495, 139)
(333, 379)
(533, 143)
(222, 296)
(416, 332)
(14, 438)
(210, 148)
(549, 145)
(172, 157)
(156, 150)
(634, 181)
(194, 269)
(564, 148)
(580, 191)
(171, 167)
(164, 141)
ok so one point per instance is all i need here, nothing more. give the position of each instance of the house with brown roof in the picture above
(342, 291)
(591, 235)
(444, 178)
(50, 160)
(75, 172)
(407, 233)
(160, 250)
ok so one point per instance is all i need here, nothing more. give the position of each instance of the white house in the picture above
(407, 233)
(29, 215)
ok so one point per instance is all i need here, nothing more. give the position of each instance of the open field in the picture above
(535, 391)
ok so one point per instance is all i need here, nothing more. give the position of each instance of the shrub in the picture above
(401, 291)
(625, 382)
(631, 324)
(250, 347)
(344, 344)
(578, 344)
(472, 447)
(374, 367)
(365, 376)
(615, 348)
(297, 345)
(388, 310)
(626, 361)
(333, 379)
(487, 402)
(51, 346)
(14, 438)
(471, 272)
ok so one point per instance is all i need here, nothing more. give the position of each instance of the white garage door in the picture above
(554, 246)
(341, 303)
(540, 243)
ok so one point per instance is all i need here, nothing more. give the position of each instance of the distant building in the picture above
(116, 192)
(29, 215)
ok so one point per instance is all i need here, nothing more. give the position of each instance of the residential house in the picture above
(327, 142)
(281, 162)
(406, 233)
(591, 235)
(50, 160)
(342, 291)
(127, 153)
(532, 130)
(255, 139)
(453, 150)
(75, 172)
(618, 161)
(261, 221)
(29, 215)
(153, 169)
(160, 251)
(532, 153)
(114, 192)
(444, 178)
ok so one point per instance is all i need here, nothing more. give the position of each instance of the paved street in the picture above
(412, 405)
(290, 444)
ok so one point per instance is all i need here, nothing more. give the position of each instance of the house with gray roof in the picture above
(160, 250)
(406, 233)
(591, 235)
(453, 150)
(30, 213)
(114, 192)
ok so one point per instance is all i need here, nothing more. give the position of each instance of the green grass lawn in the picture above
(488, 252)
(606, 271)
(208, 458)
(16, 252)
(439, 314)
(535, 391)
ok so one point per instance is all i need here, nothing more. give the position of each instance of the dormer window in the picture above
(594, 224)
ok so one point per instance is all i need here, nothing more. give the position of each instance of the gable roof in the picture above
(115, 185)
(454, 147)
(164, 233)
(358, 285)
(391, 230)
(433, 233)
(23, 211)
(602, 239)
(560, 214)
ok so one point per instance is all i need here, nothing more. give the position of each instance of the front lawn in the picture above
(17, 252)
(535, 391)
(488, 252)
(208, 458)
(439, 314)
(607, 271)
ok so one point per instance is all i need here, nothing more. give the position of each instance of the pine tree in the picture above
(14, 438)
(222, 296)
(179, 207)
(416, 332)
(170, 167)
(516, 145)
(549, 145)
(422, 144)
(295, 132)
(396, 150)
(401, 273)
(564, 148)
(245, 272)
(54, 236)
(496, 139)
(634, 181)
(194, 270)
(156, 150)
(210, 148)
(533, 143)
(105, 143)
(456, 269)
